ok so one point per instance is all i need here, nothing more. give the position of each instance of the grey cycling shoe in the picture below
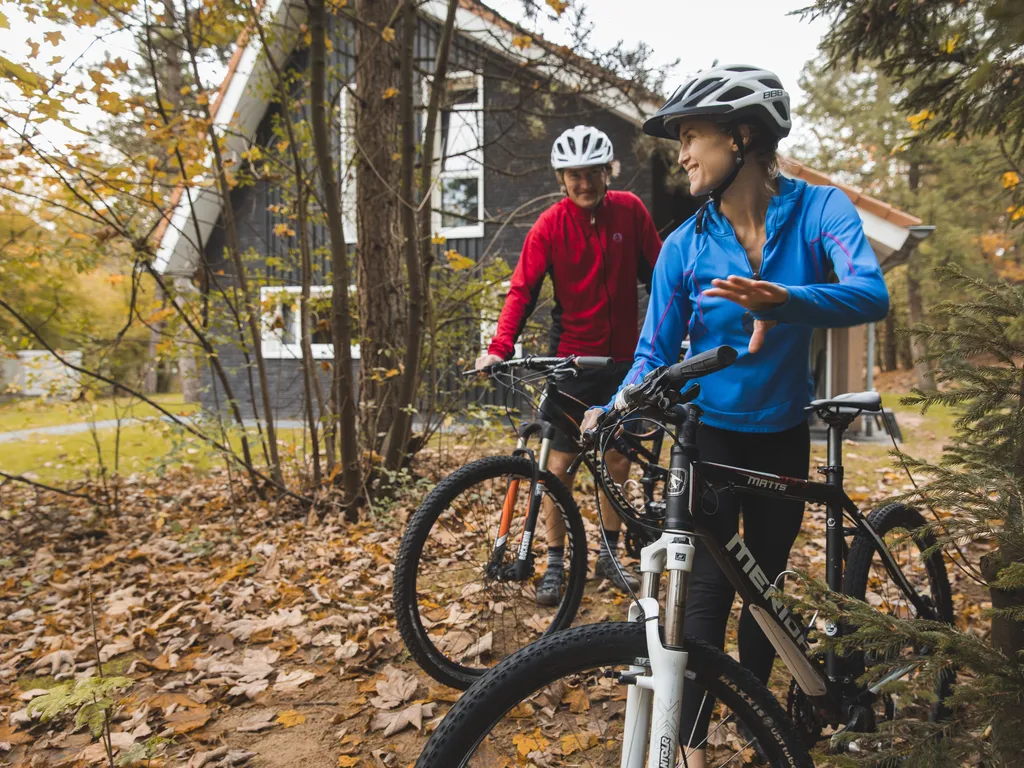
(549, 591)
(618, 574)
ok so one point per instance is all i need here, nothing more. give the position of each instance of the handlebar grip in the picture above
(701, 365)
(594, 362)
(627, 397)
(587, 438)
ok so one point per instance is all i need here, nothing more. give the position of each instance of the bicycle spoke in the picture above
(738, 752)
(700, 712)
(725, 721)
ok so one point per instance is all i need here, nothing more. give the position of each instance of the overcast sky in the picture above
(696, 32)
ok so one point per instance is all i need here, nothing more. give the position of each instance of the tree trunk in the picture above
(398, 433)
(379, 285)
(1007, 638)
(915, 304)
(889, 361)
(915, 316)
(342, 389)
(168, 72)
(152, 377)
(188, 366)
(308, 363)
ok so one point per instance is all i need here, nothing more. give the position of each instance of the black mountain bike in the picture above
(473, 552)
(609, 694)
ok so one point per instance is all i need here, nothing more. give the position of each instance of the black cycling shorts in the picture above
(585, 390)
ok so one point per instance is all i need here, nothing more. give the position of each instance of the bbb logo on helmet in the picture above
(773, 94)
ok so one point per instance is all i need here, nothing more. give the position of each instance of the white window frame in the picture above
(272, 341)
(469, 230)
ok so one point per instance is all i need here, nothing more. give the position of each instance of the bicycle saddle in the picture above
(851, 401)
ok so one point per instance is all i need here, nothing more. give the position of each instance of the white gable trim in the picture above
(241, 108)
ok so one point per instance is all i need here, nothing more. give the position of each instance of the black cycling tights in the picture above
(770, 527)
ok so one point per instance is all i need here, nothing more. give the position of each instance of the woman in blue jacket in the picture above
(754, 268)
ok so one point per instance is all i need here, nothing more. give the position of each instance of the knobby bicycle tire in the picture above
(447, 667)
(470, 726)
(884, 520)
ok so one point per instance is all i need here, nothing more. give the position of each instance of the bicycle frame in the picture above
(653, 698)
(521, 569)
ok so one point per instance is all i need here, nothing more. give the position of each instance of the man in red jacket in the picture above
(596, 244)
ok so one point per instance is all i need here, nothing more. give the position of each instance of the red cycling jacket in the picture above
(595, 260)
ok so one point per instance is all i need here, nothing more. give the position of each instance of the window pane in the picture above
(459, 202)
(461, 90)
(461, 141)
(320, 319)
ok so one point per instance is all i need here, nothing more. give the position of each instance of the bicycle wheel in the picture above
(554, 704)
(457, 611)
(867, 579)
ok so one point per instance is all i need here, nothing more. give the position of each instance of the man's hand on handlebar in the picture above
(591, 419)
(486, 360)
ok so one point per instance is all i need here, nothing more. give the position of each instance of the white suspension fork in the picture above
(654, 701)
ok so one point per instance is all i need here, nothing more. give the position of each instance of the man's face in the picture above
(585, 186)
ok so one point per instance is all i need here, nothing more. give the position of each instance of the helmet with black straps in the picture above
(732, 94)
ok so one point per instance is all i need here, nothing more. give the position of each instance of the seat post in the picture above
(835, 445)
(834, 541)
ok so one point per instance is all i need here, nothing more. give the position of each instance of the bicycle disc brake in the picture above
(804, 715)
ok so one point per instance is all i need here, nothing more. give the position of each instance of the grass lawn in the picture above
(27, 413)
(139, 448)
(148, 447)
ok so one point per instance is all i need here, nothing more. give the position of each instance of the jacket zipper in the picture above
(604, 282)
(755, 273)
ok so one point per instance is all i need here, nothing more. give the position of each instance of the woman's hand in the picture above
(590, 419)
(755, 295)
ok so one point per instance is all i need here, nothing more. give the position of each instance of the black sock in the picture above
(609, 543)
(556, 557)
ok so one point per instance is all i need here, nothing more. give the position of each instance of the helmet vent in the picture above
(781, 109)
(771, 83)
(736, 92)
(701, 90)
(742, 69)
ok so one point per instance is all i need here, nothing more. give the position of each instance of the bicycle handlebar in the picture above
(544, 364)
(667, 381)
(705, 363)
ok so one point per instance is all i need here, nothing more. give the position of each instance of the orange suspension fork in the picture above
(508, 508)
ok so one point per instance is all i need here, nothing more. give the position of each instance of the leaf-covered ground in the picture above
(253, 633)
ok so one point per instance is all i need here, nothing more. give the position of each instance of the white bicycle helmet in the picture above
(581, 147)
(731, 94)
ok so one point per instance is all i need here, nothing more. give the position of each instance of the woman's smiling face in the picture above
(706, 153)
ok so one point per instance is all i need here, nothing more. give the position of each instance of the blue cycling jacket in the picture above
(812, 233)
